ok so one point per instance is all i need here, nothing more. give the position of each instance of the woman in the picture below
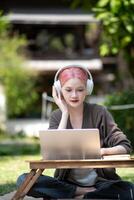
(71, 86)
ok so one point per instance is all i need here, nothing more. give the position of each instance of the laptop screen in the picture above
(70, 144)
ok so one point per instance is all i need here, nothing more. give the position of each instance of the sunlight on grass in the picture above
(11, 168)
(126, 174)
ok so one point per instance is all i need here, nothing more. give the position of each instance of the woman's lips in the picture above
(74, 101)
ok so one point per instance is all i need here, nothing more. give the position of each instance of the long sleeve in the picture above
(55, 119)
(110, 132)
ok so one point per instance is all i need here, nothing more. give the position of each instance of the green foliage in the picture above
(86, 5)
(124, 118)
(117, 19)
(19, 89)
(18, 81)
(4, 25)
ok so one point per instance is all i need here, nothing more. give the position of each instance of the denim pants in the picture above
(111, 189)
(49, 187)
(52, 188)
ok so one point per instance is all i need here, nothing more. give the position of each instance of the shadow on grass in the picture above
(19, 149)
(6, 188)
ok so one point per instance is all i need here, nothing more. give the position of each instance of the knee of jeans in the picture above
(21, 179)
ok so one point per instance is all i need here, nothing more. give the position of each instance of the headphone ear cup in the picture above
(90, 86)
(57, 86)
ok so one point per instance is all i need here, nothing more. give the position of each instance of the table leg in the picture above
(32, 181)
(20, 194)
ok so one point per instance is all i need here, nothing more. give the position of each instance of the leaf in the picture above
(112, 30)
(126, 3)
(129, 28)
(125, 41)
(114, 50)
(98, 10)
(115, 5)
(104, 49)
(132, 1)
(114, 19)
(104, 15)
(103, 3)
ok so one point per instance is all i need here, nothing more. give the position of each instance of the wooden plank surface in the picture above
(96, 163)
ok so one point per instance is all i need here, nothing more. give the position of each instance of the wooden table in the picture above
(37, 168)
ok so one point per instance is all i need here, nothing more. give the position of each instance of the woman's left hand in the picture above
(103, 151)
(119, 149)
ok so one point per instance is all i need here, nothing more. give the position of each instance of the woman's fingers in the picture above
(58, 100)
(55, 94)
(57, 97)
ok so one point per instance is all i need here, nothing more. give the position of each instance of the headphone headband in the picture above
(69, 66)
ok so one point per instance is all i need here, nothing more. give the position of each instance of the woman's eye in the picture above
(80, 90)
(68, 90)
(76, 90)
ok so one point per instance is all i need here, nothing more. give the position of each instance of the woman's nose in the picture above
(74, 93)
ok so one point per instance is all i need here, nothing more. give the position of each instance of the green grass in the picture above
(11, 167)
(126, 174)
(14, 151)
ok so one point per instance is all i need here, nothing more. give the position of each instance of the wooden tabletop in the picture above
(92, 163)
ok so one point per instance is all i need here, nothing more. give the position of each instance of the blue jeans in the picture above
(52, 188)
(112, 189)
(49, 187)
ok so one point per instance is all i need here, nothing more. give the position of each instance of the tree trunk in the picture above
(124, 74)
(131, 65)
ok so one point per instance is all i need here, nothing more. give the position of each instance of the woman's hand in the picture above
(119, 149)
(59, 101)
(83, 190)
(62, 106)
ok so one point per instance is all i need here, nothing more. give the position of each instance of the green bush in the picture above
(19, 89)
(123, 117)
(18, 81)
(18, 144)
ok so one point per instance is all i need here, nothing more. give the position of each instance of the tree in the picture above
(18, 82)
(118, 35)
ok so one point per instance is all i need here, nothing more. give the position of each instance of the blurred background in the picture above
(39, 37)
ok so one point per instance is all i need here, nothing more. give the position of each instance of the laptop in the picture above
(70, 144)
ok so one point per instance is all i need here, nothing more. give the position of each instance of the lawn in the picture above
(11, 167)
(14, 151)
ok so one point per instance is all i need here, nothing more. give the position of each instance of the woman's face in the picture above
(74, 92)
